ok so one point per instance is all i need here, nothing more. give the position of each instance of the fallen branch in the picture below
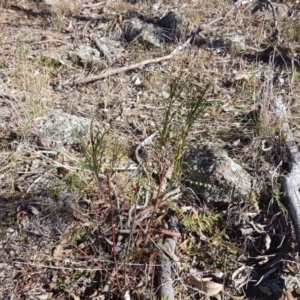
(103, 50)
(150, 61)
(133, 66)
(166, 290)
(109, 282)
(291, 182)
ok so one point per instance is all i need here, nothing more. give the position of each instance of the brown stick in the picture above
(150, 61)
(133, 66)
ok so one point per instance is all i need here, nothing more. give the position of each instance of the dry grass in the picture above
(84, 219)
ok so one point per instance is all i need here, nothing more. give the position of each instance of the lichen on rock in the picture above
(213, 174)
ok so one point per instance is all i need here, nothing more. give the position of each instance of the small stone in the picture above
(64, 128)
(156, 5)
(142, 32)
(136, 80)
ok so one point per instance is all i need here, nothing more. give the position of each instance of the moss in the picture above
(49, 62)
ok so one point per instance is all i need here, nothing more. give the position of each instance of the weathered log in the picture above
(166, 290)
(290, 182)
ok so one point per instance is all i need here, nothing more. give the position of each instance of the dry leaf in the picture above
(69, 29)
(72, 294)
(209, 288)
(33, 210)
(47, 38)
(44, 297)
(287, 295)
(127, 295)
(267, 241)
(241, 77)
(120, 19)
(60, 250)
(236, 143)
(241, 276)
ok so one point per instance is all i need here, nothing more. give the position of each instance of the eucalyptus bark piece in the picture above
(205, 285)
(290, 182)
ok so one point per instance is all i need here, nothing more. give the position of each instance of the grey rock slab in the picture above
(143, 32)
(260, 7)
(85, 54)
(213, 174)
(176, 26)
(63, 128)
(282, 10)
(169, 28)
(233, 42)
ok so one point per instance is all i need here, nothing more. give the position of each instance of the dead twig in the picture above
(109, 282)
(150, 61)
(50, 41)
(93, 4)
(148, 210)
(145, 142)
(115, 271)
(8, 96)
(6, 93)
(103, 50)
(133, 66)
(135, 206)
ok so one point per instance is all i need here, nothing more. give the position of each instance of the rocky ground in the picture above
(141, 153)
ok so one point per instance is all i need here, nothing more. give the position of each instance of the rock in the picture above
(233, 42)
(84, 55)
(274, 287)
(176, 26)
(169, 28)
(143, 32)
(156, 6)
(136, 80)
(281, 10)
(215, 175)
(63, 128)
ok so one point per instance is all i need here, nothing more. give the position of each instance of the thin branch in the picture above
(8, 96)
(103, 50)
(154, 60)
(133, 66)
(144, 143)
